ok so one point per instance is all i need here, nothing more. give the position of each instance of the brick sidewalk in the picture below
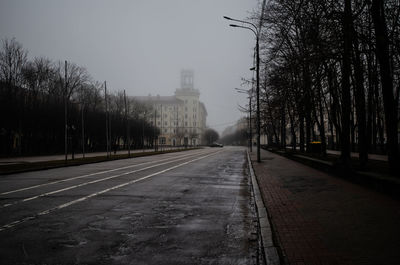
(320, 219)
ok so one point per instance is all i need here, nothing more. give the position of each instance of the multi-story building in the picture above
(181, 118)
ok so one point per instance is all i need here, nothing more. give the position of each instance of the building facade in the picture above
(181, 118)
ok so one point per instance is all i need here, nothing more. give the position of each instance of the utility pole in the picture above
(65, 114)
(105, 98)
(250, 129)
(161, 129)
(110, 146)
(127, 126)
(177, 127)
(144, 115)
(83, 133)
(155, 122)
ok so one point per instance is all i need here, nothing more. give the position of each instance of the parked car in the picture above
(216, 145)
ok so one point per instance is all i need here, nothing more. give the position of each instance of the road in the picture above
(192, 207)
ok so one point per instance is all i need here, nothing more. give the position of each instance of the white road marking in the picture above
(28, 218)
(88, 175)
(90, 182)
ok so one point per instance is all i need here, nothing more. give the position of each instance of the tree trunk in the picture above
(307, 104)
(301, 134)
(359, 101)
(283, 127)
(389, 103)
(346, 101)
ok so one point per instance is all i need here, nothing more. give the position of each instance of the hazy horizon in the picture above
(142, 46)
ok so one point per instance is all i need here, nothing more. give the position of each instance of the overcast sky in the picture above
(142, 45)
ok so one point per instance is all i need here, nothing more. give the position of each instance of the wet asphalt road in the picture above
(190, 207)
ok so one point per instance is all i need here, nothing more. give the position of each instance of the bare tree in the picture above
(179, 134)
(12, 60)
(210, 136)
(76, 77)
(38, 75)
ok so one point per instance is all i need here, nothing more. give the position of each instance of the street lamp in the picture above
(250, 95)
(254, 29)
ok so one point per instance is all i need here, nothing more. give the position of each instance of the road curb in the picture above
(270, 252)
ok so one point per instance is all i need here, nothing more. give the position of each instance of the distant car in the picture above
(216, 145)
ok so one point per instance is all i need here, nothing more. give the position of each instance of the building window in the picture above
(165, 123)
(158, 123)
(186, 116)
(162, 140)
(165, 130)
(185, 123)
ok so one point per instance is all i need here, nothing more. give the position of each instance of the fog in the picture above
(142, 45)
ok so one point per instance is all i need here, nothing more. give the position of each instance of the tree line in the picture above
(330, 72)
(238, 137)
(33, 96)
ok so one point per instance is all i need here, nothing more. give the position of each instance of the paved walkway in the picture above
(321, 219)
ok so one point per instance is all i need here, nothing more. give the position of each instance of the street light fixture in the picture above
(254, 29)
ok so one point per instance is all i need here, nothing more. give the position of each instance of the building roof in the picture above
(165, 100)
(187, 92)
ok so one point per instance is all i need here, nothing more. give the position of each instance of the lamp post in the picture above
(250, 95)
(254, 29)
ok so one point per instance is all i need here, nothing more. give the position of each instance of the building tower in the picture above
(187, 79)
